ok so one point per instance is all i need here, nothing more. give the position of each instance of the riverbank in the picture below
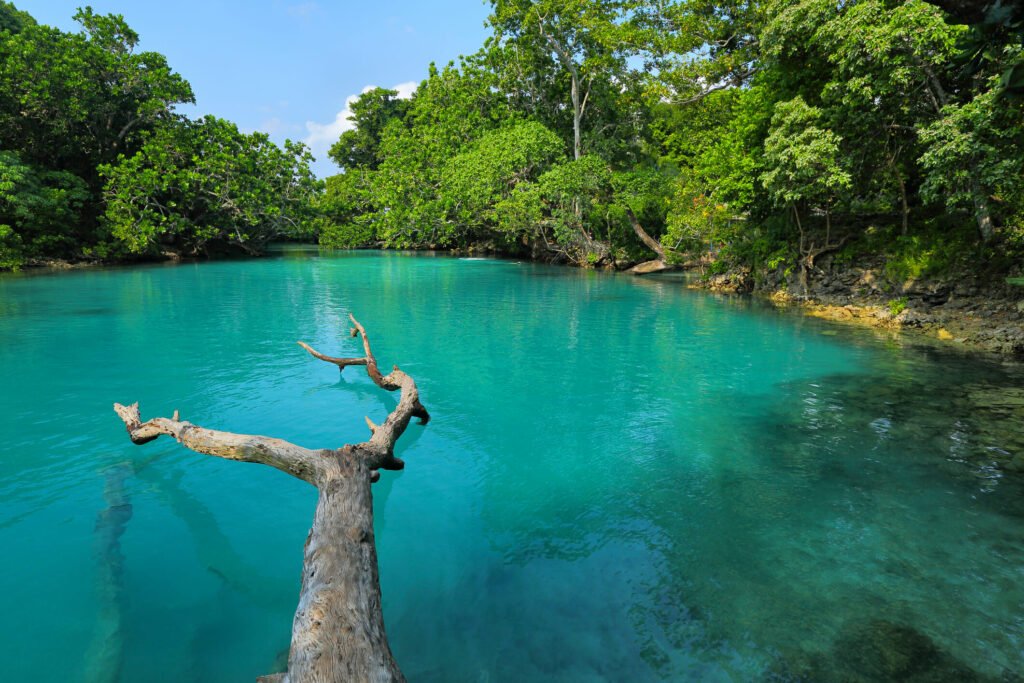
(964, 311)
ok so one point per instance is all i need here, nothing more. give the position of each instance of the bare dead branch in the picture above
(378, 452)
(295, 460)
(342, 363)
(338, 630)
(651, 243)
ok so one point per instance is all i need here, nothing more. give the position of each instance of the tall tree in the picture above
(580, 43)
(451, 109)
(804, 172)
(372, 111)
(74, 101)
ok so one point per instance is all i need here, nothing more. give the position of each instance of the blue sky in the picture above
(289, 67)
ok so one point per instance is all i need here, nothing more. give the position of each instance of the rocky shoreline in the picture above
(963, 312)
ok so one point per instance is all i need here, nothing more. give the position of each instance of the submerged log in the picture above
(106, 653)
(338, 630)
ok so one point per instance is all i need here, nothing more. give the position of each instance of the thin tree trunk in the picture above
(574, 79)
(338, 630)
(903, 203)
(982, 211)
(803, 251)
(651, 243)
(577, 116)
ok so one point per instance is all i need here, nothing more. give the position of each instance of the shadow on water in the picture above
(814, 542)
(879, 650)
(212, 546)
(899, 490)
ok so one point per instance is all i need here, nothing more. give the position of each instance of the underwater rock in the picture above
(881, 650)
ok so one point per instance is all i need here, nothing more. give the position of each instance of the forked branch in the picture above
(338, 630)
(379, 450)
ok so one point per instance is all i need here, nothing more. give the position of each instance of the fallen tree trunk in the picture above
(651, 243)
(647, 267)
(338, 630)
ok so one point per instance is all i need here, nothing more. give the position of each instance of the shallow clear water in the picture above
(623, 479)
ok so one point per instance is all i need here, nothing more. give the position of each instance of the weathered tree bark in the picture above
(579, 100)
(653, 244)
(338, 630)
(655, 266)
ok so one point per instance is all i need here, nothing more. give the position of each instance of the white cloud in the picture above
(405, 90)
(322, 135)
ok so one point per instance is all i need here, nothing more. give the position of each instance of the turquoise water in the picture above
(623, 479)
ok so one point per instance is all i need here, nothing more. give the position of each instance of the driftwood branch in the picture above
(338, 630)
(287, 457)
(378, 452)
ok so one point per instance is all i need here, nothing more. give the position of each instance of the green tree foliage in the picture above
(802, 160)
(94, 160)
(12, 19)
(565, 63)
(697, 47)
(490, 169)
(35, 207)
(345, 211)
(977, 149)
(371, 113)
(73, 101)
(718, 185)
(758, 131)
(452, 108)
(202, 184)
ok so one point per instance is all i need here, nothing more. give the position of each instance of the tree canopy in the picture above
(739, 131)
(96, 162)
(758, 126)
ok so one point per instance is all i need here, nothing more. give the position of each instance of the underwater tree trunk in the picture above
(338, 630)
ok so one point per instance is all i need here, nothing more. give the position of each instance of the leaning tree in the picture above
(338, 629)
